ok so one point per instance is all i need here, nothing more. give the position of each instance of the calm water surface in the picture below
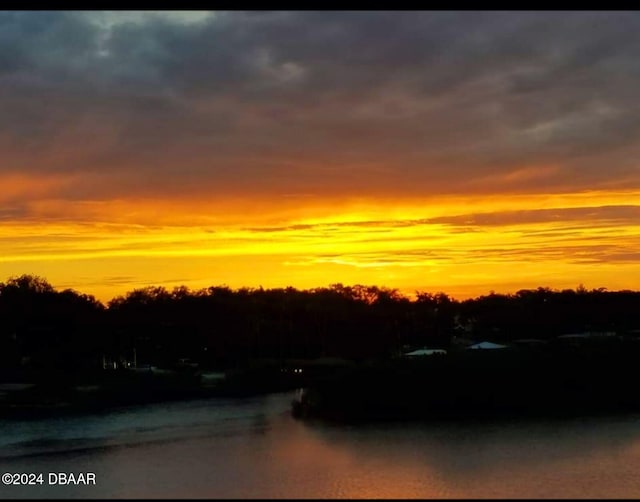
(252, 448)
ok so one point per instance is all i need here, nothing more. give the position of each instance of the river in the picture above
(253, 448)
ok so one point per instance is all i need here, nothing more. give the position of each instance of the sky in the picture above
(463, 152)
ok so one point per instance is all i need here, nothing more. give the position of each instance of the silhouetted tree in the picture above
(66, 331)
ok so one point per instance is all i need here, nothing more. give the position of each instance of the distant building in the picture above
(486, 346)
(588, 337)
(587, 334)
(425, 352)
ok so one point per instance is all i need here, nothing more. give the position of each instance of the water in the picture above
(252, 448)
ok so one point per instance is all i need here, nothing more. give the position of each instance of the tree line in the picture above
(68, 331)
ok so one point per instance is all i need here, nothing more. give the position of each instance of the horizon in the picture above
(462, 152)
(412, 295)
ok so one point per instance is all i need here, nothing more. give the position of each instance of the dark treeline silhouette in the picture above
(67, 332)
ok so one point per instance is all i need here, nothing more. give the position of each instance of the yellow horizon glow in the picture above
(106, 248)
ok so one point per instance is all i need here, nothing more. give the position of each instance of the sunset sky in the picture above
(436, 151)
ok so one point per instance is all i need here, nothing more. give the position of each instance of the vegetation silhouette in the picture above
(57, 338)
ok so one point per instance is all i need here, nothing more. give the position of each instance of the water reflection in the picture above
(252, 448)
(594, 457)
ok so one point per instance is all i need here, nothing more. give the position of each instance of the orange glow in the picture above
(16, 186)
(108, 247)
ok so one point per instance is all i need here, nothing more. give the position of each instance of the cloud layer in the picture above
(331, 139)
(366, 103)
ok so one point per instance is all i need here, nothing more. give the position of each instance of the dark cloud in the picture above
(13, 213)
(586, 253)
(362, 103)
(589, 216)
